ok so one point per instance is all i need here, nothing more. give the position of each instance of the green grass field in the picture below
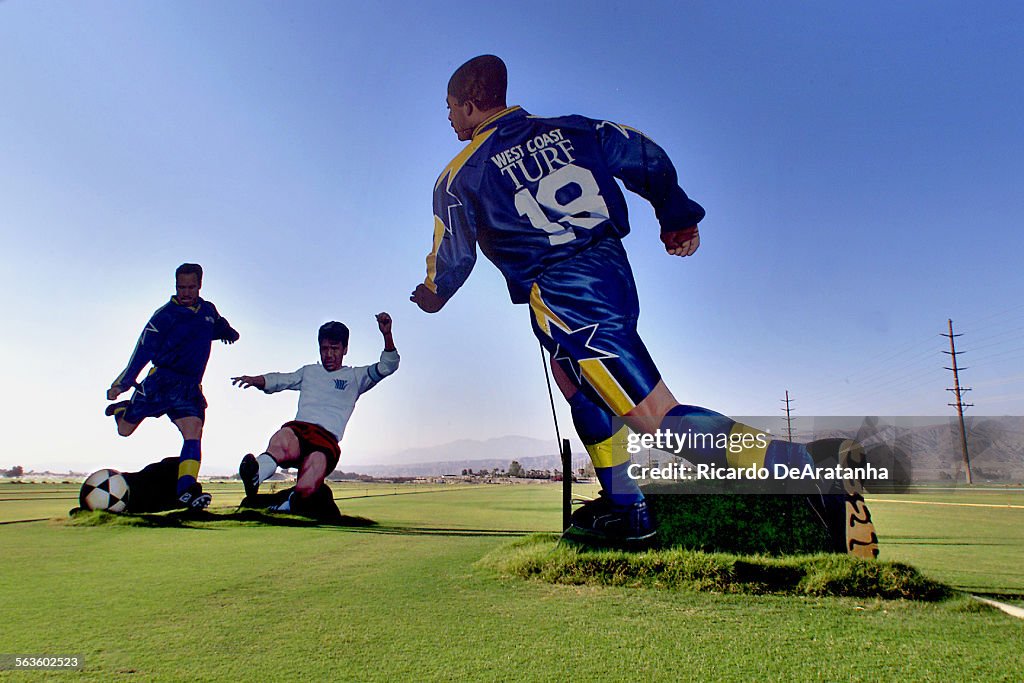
(409, 600)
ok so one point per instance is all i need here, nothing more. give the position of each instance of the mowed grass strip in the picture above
(545, 557)
(974, 549)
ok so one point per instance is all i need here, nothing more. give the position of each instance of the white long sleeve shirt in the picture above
(328, 398)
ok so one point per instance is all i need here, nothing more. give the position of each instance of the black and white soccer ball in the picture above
(104, 490)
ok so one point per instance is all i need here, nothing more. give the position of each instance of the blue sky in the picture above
(861, 169)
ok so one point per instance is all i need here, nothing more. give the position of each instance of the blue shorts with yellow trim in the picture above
(584, 311)
(166, 393)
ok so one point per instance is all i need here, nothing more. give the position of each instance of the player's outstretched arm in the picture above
(427, 300)
(246, 381)
(681, 242)
(384, 323)
(222, 330)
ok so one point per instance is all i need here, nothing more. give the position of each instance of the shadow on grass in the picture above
(205, 520)
(444, 531)
(208, 520)
(544, 557)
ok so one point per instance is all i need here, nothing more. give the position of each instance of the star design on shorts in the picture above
(574, 346)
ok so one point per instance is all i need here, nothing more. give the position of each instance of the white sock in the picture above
(268, 466)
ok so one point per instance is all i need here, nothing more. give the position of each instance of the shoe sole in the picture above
(861, 539)
(248, 470)
(112, 409)
(591, 537)
(859, 530)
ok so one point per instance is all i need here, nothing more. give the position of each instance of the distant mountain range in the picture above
(452, 458)
(995, 446)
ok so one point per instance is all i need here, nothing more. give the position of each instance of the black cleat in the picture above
(194, 499)
(114, 408)
(845, 513)
(283, 506)
(603, 522)
(249, 473)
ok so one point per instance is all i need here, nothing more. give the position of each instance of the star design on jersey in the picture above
(616, 126)
(150, 327)
(453, 204)
(574, 346)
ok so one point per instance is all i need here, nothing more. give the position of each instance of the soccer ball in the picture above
(104, 490)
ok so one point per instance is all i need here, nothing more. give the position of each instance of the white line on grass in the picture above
(929, 502)
(1002, 606)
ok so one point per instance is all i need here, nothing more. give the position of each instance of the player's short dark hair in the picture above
(333, 331)
(189, 269)
(482, 80)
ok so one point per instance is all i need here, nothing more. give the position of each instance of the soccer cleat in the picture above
(114, 408)
(249, 473)
(847, 516)
(603, 521)
(194, 499)
(861, 539)
(283, 506)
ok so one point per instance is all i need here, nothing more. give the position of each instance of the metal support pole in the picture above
(566, 484)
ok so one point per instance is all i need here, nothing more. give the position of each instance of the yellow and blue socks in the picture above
(606, 446)
(188, 465)
(712, 438)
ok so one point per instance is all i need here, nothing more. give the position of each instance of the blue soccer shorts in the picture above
(584, 311)
(166, 393)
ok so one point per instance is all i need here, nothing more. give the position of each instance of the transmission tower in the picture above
(958, 393)
(789, 418)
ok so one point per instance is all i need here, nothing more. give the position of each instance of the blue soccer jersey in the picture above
(533, 192)
(177, 340)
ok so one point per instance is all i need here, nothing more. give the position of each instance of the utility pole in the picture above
(789, 419)
(959, 405)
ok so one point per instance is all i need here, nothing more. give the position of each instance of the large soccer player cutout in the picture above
(539, 196)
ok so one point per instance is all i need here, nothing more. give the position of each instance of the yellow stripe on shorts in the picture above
(594, 370)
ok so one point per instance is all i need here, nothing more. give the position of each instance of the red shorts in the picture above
(313, 438)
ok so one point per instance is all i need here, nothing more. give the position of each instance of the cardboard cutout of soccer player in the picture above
(540, 198)
(177, 341)
(328, 392)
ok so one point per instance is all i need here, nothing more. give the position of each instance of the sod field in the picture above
(256, 598)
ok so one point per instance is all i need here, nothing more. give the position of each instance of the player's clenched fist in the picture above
(681, 242)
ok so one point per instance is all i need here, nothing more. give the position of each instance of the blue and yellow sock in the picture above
(606, 446)
(188, 465)
(717, 440)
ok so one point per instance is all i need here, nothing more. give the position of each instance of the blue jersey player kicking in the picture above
(177, 341)
(540, 198)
